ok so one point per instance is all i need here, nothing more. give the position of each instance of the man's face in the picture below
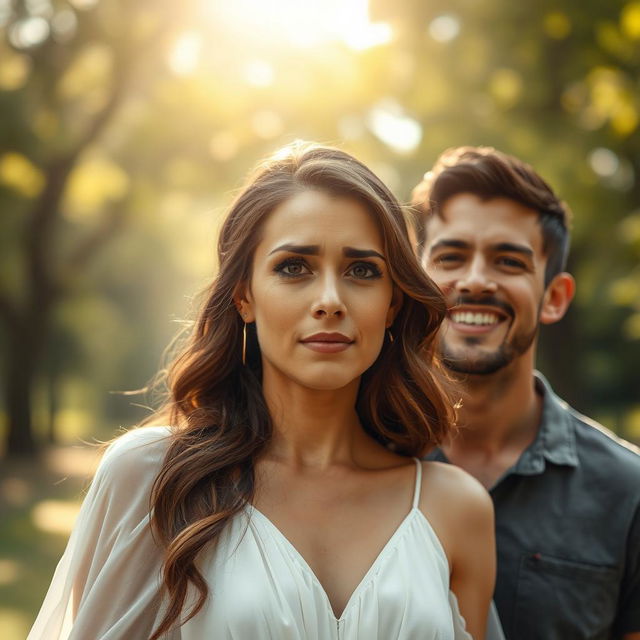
(488, 259)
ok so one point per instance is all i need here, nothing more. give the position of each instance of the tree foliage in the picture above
(126, 126)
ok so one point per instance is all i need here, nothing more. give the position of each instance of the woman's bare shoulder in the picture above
(447, 487)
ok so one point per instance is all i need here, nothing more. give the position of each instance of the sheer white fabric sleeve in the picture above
(459, 625)
(106, 586)
(494, 628)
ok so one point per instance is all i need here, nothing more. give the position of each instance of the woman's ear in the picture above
(397, 300)
(557, 297)
(243, 301)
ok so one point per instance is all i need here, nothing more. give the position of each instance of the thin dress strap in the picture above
(416, 491)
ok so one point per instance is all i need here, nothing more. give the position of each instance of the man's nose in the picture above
(476, 280)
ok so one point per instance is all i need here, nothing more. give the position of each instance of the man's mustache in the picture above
(490, 301)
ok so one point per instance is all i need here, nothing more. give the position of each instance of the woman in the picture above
(285, 499)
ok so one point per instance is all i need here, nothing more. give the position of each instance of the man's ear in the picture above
(397, 299)
(243, 301)
(557, 298)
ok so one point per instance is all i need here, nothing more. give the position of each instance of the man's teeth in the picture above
(468, 317)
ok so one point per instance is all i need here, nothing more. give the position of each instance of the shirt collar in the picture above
(556, 440)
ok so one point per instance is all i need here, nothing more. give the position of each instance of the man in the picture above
(566, 491)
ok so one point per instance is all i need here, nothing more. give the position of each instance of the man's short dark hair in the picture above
(488, 173)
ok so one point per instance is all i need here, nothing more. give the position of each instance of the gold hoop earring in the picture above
(390, 335)
(244, 344)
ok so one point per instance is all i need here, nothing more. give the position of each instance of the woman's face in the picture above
(320, 291)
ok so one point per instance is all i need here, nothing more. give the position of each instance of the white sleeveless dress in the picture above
(107, 582)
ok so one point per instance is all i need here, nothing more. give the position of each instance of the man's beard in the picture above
(487, 363)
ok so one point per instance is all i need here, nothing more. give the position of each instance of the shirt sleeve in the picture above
(107, 584)
(628, 618)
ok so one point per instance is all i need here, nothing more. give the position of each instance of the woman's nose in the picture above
(329, 301)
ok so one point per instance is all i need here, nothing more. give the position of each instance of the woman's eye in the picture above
(292, 267)
(365, 271)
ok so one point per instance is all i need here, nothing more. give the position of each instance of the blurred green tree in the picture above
(146, 114)
(65, 70)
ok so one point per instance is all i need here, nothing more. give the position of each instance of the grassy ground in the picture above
(38, 504)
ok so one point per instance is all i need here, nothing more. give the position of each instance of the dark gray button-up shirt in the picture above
(568, 532)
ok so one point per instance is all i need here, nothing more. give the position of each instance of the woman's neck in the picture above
(311, 427)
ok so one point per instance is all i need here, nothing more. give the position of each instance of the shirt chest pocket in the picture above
(576, 600)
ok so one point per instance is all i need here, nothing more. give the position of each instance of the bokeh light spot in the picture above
(92, 184)
(185, 55)
(603, 162)
(629, 229)
(444, 28)
(20, 174)
(84, 5)
(506, 86)
(624, 119)
(41, 8)
(14, 71)
(368, 35)
(6, 10)
(64, 25)
(29, 32)
(55, 516)
(88, 73)
(300, 24)
(624, 291)
(258, 73)
(392, 126)
(557, 25)
(9, 571)
(630, 20)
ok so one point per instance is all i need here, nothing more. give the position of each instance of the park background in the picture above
(127, 126)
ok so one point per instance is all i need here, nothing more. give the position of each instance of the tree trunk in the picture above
(20, 374)
(52, 379)
(22, 364)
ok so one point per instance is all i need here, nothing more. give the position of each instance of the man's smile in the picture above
(475, 318)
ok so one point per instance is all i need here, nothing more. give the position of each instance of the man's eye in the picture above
(448, 258)
(512, 263)
(364, 271)
(292, 267)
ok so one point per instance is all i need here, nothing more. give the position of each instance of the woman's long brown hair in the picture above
(219, 419)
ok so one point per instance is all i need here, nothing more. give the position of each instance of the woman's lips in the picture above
(327, 342)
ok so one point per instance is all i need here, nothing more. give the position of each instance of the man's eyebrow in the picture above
(511, 247)
(305, 250)
(352, 252)
(450, 244)
(514, 248)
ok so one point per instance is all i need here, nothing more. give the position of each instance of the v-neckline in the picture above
(307, 567)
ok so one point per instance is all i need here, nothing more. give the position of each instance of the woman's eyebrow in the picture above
(352, 252)
(305, 250)
(314, 250)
